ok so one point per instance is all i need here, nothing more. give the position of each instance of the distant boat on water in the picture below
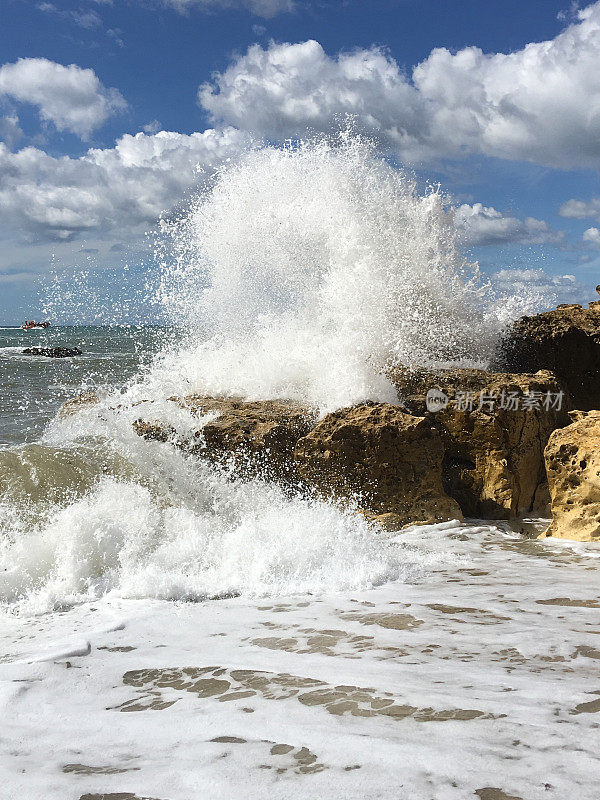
(29, 325)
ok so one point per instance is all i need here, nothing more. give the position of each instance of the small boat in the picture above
(29, 325)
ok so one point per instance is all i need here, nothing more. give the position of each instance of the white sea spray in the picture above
(301, 272)
(310, 269)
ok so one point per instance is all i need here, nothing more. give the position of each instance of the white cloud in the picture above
(116, 35)
(569, 13)
(126, 188)
(10, 130)
(152, 127)
(529, 291)
(83, 18)
(261, 8)
(592, 237)
(286, 89)
(538, 104)
(119, 191)
(72, 98)
(581, 209)
(533, 277)
(483, 225)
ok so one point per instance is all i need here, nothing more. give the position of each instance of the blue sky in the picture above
(499, 101)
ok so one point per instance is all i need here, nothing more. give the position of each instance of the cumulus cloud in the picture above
(115, 190)
(10, 130)
(130, 185)
(285, 89)
(569, 13)
(528, 291)
(592, 237)
(484, 225)
(72, 98)
(538, 104)
(581, 209)
(152, 127)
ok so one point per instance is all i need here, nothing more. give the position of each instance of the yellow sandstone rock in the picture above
(565, 341)
(494, 462)
(573, 465)
(76, 404)
(387, 461)
(255, 438)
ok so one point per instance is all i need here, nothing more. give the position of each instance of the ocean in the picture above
(32, 388)
(170, 631)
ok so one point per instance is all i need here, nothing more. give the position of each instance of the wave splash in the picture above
(310, 270)
(304, 273)
(184, 531)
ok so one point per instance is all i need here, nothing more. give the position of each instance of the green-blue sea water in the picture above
(32, 388)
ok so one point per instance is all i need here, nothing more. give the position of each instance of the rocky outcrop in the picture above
(495, 426)
(76, 404)
(479, 453)
(573, 466)
(541, 501)
(53, 352)
(565, 341)
(385, 460)
(255, 438)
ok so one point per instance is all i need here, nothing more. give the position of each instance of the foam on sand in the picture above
(479, 681)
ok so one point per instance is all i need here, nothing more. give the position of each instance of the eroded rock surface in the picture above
(565, 341)
(255, 437)
(496, 427)
(401, 464)
(389, 461)
(573, 465)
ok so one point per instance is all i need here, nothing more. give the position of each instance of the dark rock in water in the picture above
(388, 461)
(496, 426)
(53, 352)
(565, 341)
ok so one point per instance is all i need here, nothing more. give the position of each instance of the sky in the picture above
(112, 111)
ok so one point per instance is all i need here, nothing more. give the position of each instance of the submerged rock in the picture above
(386, 460)
(573, 465)
(565, 341)
(53, 352)
(496, 426)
